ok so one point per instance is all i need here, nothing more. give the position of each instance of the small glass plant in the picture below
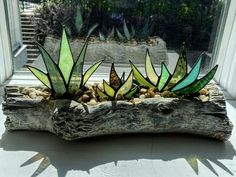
(66, 79)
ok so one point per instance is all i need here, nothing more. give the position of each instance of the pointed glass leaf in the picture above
(101, 37)
(57, 81)
(108, 89)
(111, 34)
(115, 81)
(101, 94)
(121, 37)
(165, 74)
(40, 75)
(90, 71)
(91, 30)
(77, 71)
(180, 69)
(42, 166)
(126, 87)
(151, 73)
(191, 77)
(139, 77)
(198, 84)
(192, 161)
(131, 92)
(66, 59)
(126, 30)
(78, 20)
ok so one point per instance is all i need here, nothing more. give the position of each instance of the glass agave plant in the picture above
(65, 78)
(118, 88)
(181, 82)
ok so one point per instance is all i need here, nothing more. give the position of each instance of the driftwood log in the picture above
(72, 120)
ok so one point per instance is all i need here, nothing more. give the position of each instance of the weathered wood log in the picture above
(72, 120)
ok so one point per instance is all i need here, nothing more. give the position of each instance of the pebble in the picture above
(85, 98)
(137, 100)
(157, 96)
(32, 95)
(143, 90)
(92, 102)
(142, 97)
(204, 98)
(204, 91)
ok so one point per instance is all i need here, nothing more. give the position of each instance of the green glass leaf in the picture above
(101, 37)
(151, 73)
(121, 37)
(40, 75)
(131, 92)
(101, 94)
(139, 77)
(180, 69)
(77, 71)
(192, 161)
(111, 34)
(91, 30)
(66, 59)
(90, 71)
(198, 84)
(78, 20)
(126, 87)
(165, 74)
(115, 81)
(126, 30)
(108, 89)
(191, 77)
(57, 81)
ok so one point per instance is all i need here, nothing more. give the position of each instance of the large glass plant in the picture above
(181, 82)
(65, 78)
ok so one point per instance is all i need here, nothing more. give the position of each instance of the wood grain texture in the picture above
(71, 120)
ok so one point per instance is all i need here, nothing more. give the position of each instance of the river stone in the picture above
(72, 120)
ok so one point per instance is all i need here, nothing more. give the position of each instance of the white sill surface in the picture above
(41, 154)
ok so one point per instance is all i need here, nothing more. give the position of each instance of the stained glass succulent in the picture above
(66, 77)
(181, 82)
(118, 87)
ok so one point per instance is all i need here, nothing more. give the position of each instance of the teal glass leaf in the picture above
(111, 35)
(180, 69)
(126, 30)
(66, 61)
(90, 71)
(139, 77)
(121, 37)
(115, 81)
(126, 87)
(198, 84)
(191, 77)
(57, 81)
(165, 75)
(150, 71)
(40, 75)
(77, 71)
(108, 89)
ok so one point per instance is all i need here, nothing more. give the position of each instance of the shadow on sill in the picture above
(88, 153)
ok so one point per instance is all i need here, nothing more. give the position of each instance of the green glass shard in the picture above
(78, 20)
(111, 34)
(165, 74)
(90, 71)
(66, 59)
(91, 30)
(57, 81)
(126, 87)
(121, 37)
(139, 77)
(126, 30)
(198, 84)
(101, 37)
(108, 89)
(180, 69)
(191, 77)
(115, 81)
(151, 73)
(77, 71)
(192, 161)
(131, 92)
(101, 94)
(40, 75)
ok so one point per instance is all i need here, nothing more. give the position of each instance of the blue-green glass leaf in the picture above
(151, 73)
(101, 37)
(131, 92)
(111, 35)
(90, 71)
(191, 77)
(126, 30)
(198, 84)
(108, 89)
(121, 37)
(66, 59)
(180, 69)
(165, 74)
(78, 20)
(57, 81)
(126, 87)
(40, 75)
(77, 71)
